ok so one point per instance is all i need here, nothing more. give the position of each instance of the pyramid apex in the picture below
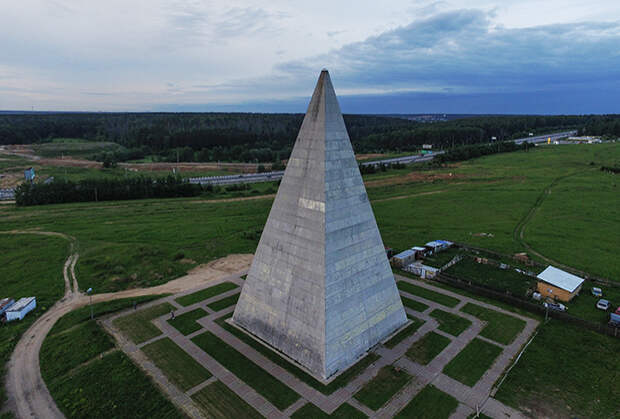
(324, 70)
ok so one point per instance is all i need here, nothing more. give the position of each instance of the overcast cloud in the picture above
(403, 56)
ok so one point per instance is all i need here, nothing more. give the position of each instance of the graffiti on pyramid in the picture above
(320, 288)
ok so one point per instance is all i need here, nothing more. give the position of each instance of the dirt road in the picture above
(28, 396)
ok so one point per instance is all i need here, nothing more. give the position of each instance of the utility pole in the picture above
(90, 303)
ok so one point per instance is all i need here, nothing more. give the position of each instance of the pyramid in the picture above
(320, 288)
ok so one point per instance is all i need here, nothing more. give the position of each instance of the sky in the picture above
(475, 56)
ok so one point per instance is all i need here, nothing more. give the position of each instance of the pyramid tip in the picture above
(324, 70)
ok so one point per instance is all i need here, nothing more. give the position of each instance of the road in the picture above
(414, 158)
(28, 396)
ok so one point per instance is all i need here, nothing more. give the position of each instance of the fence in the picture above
(585, 275)
(527, 305)
(7, 194)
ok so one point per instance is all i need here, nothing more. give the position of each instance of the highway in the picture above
(414, 158)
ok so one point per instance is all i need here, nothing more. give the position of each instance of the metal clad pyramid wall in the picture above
(320, 288)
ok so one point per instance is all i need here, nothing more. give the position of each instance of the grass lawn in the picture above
(429, 403)
(501, 328)
(260, 380)
(437, 297)
(218, 401)
(492, 277)
(138, 326)
(224, 303)
(186, 322)
(206, 293)
(111, 387)
(405, 333)
(566, 371)
(66, 350)
(426, 349)
(30, 265)
(472, 362)
(345, 411)
(340, 381)
(180, 368)
(438, 260)
(413, 304)
(584, 305)
(450, 323)
(382, 387)
(100, 309)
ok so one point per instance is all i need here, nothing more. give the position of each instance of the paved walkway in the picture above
(469, 398)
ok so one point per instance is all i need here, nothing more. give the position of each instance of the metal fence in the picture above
(526, 305)
(7, 194)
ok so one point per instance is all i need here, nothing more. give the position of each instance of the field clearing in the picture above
(138, 326)
(566, 371)
(429, 403)
(500, 327)
(426, 349)
(180, 368)
(22, 275)
(218, 401)
(469, 365)
(450, 323)
(186, 322)
(382, 387)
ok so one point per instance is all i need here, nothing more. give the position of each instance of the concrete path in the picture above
(470, 398)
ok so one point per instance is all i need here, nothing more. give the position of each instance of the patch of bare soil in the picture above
(361, 157)
(414, 177)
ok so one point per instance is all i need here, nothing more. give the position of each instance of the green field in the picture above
(413, 304)
(501, 328)
(429, 403)
(180, 368)
(22, 275)
(566, 371)
(223, 303)
(437, 297)
(345, 411)
(382, 387)
(138, 326)
(260, 380)
(188, 300)
(492, 277)
(426, 349)
(68, 349)
(186, 322)
(404, 333)
(450, 323)
(218, 401)
(88, 377)
(472, 362)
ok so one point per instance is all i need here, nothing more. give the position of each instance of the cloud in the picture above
(463, 51)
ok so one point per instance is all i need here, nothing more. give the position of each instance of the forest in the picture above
(256, 137)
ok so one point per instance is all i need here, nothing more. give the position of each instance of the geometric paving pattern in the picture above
(478, 397)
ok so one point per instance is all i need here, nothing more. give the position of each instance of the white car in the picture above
(603, 305)
(597, 292)
(555, 306)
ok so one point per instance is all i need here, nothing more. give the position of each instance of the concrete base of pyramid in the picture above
(319, 378)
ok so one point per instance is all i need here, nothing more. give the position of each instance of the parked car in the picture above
(537, 296)
(597, 292)
(555, 306)
(602, 305)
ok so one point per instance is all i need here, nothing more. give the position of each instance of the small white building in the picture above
(22, 307)
(404, 258)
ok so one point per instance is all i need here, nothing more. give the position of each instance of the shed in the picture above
(558, 284)
(420, 252)
(5, 304)
(22, 307)
(437, 246)
(404, 258)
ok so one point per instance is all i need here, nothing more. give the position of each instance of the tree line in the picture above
(63, 191)
(256, 137)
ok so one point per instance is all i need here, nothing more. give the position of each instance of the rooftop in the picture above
(560, 278)
(404, 254)
(21, 303)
